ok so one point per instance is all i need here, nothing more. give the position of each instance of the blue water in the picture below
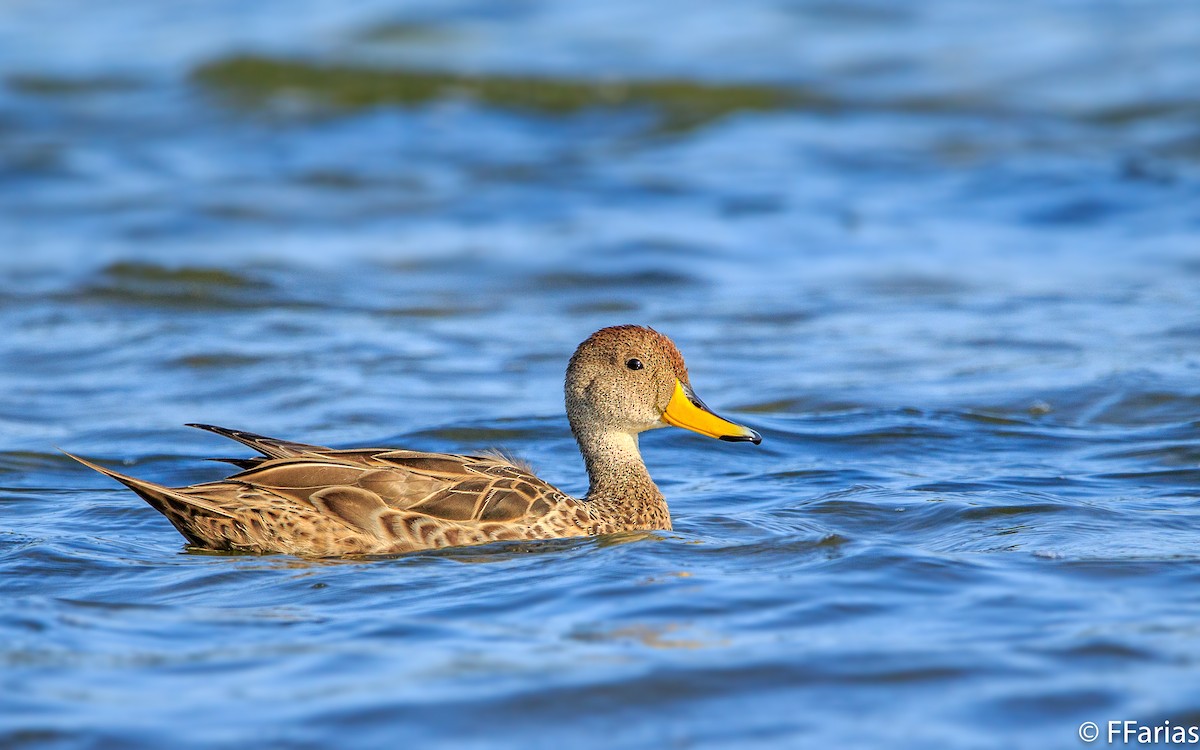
(954, 285)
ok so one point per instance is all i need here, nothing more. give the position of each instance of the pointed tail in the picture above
(165, 500)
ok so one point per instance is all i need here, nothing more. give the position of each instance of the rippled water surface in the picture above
(944, 256)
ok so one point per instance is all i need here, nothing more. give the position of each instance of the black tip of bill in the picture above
(753, 437)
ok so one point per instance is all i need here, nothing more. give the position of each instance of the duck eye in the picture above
(634, 364)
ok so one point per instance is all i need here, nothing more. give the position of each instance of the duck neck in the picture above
(620, 491)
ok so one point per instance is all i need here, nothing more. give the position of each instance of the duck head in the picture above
(629, 379)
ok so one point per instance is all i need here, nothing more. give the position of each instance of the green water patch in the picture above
(184, 286)
(584, 280)
(433, 312)
(254, 81)
(186, 275)
(608, 306)
(258, 82)
(216, 361)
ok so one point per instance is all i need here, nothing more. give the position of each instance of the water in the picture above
(944, 256)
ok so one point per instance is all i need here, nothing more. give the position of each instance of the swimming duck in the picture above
(312, 501)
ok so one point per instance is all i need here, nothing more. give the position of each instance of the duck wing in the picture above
(398, 501)
(440, 485)
(314, 501)
(268, 446)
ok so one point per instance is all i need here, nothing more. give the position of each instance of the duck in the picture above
(318, 502)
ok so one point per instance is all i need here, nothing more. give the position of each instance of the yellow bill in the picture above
(686, 410)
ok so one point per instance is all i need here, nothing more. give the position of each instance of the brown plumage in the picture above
(313, 501)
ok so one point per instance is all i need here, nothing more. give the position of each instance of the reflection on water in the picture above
(943, 256)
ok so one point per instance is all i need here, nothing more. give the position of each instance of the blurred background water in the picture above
(944, 255)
